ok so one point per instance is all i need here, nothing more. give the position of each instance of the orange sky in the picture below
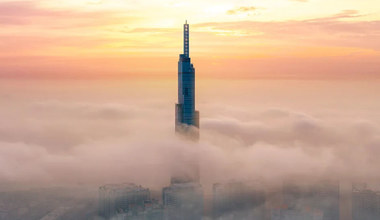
(229, 39)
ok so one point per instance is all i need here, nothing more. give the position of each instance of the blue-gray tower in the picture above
(186, 115)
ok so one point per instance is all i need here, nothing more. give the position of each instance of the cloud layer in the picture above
(59, 138)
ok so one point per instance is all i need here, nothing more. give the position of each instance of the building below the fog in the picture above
(296, 215)
(183, 201)
(315, 199)
(365, 204)
(150, 212)
(238, 200)
(122, 200)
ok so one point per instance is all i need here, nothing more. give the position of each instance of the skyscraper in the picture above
(186, 116)
(183, 199)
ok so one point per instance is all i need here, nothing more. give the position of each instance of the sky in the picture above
(229, 39)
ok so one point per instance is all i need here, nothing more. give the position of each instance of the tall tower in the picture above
(183, 199)
(186, 116)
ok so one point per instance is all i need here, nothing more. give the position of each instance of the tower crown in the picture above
(186, 39)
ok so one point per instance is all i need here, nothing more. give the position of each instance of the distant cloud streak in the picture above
(326, 31)
(244, 9)
(30, 13)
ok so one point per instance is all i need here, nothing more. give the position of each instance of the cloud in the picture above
(83, 137)
(153, 30)
(277, 143)
(243, 9)
(342, 15)
(325, 31)
(29, 13)
(102, 43)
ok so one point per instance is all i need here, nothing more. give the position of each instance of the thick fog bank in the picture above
(96, 133)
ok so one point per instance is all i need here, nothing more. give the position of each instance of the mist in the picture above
(92, 132)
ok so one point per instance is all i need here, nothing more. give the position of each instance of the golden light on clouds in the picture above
(43, 30)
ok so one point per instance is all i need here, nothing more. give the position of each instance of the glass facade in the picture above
(185, 109)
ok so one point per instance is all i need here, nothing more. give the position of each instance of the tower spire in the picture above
(186, 39)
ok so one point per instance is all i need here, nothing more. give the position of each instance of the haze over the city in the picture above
(106, 131)
(189, 110)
